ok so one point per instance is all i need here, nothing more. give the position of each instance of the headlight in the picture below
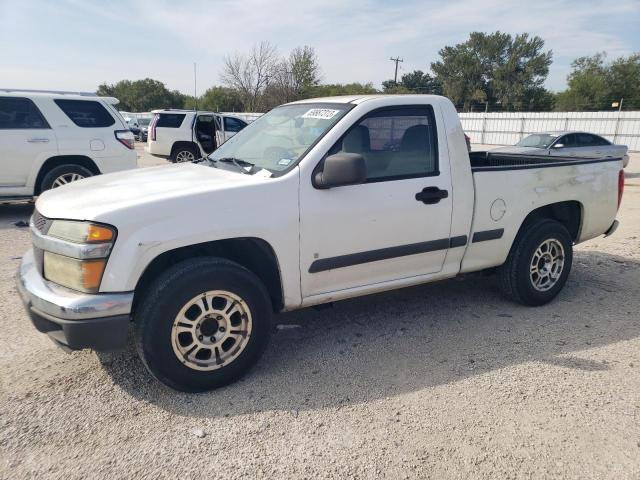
(80, 232)
(82, 275)
(75, 253)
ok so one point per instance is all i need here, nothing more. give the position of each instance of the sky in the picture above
(78, 44)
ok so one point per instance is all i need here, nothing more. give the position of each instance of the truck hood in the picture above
(95, 197)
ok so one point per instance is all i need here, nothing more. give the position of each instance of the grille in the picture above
(41, 223)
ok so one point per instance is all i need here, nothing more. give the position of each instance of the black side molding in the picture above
(485, 235)
(352, 259)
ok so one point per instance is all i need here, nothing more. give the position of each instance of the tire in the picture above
(64, 173)
(536, 283)
(184, 154)
(168, 347)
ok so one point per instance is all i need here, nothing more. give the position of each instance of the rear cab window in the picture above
(17, 113)
(86, 113)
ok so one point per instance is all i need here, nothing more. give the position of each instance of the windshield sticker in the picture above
(284, 161)
(321, 113)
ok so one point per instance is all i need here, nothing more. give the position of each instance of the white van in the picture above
(48, 139)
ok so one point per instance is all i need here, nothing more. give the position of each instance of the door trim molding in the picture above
(485, 235)
(359, 258)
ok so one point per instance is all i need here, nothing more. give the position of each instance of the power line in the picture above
(397, 60)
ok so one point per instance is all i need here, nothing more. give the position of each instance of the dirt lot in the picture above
(439, 381)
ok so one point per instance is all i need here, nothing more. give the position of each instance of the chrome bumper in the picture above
(61, 302)
(73, 319)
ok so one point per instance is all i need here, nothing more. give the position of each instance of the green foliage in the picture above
(142, 95)
(331, 89)
(414, 82)
(216, 99)
(496, 67)
(595, 85)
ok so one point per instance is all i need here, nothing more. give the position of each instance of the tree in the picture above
(250, 74)
(142, 95)
(329, 90)
(414, 82)
(493, 67)
(217, 99)
(594, 85)
(293, 76)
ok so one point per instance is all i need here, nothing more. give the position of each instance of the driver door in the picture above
(381, 230)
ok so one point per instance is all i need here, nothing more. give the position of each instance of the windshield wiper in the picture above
(238, 162)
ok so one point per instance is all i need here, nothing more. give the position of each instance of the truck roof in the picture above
(358, 98)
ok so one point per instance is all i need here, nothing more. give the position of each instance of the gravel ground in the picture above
(447, 380)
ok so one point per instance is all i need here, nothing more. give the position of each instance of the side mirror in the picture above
(341, 169)
(559, 145)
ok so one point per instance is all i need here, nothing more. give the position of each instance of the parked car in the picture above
(467, 140)
(185, 135)
(143, 125)
(49, 139)
(580, 144)
(312, 203)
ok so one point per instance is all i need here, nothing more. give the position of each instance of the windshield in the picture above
(278, 139)
(144, 122)
(538, 140)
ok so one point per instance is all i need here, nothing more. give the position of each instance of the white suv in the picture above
(184, 135)
(48, 139)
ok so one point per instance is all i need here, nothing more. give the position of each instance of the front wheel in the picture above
(538, 264)
(202, 324)
(63, 174)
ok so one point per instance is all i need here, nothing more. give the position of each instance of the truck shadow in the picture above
(413, 339)
(11, 213)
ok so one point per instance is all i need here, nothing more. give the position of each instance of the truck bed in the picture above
(495, 161)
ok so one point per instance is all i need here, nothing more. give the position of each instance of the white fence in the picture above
(508, 128)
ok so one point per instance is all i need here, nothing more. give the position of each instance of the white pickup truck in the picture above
(316, 201)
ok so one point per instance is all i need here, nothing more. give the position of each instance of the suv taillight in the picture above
(152, 127)
(620, 186)
(126, 138)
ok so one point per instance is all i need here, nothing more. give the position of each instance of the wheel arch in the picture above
(255, 254)
(58, 160)
(569, 213)
(182, 144)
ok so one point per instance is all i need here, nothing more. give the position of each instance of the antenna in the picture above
(195, 87)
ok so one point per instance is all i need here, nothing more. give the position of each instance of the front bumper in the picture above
(74, 320)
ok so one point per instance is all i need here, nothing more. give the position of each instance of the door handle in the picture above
(38, 140)
(431, 195)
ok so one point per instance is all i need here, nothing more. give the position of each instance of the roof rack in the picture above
(56, 92)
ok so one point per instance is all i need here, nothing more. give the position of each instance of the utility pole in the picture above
(195, 89)
(397, 60)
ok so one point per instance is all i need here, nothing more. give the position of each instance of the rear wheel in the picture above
(202, 324)
(62, 175)
(184, 154)
(538, 264)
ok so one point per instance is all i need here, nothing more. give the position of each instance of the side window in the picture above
(20, 114)
(170, 120)
(395, 143)
(233, 124)
(568, 141)
(588, 140)
(86, 113)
